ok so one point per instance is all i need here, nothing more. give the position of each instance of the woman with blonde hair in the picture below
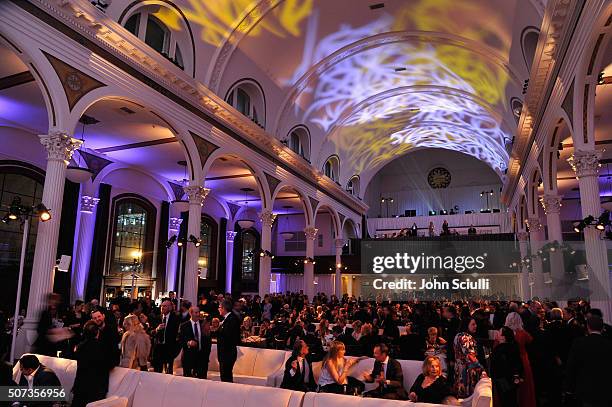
(135, 344)
(526, 391)
(430, 386)
(247, 329)
(334, 372)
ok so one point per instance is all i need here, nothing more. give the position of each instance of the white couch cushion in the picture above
(151, 389)
(224, 395)
(338, 400)
(268, 361)
(184, 391)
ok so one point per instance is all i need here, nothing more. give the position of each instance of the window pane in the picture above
(129, 238)
(243, 102)
(178, 56)
(132, 24)
(156, 35)
(204, 260)
(248, 256)
(295, 142)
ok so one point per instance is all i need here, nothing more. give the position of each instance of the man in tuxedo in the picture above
(165, 347)
(35, 374)
(228, 338)
(196, 343)
(587, 375)
(388, 374)
(298, 370)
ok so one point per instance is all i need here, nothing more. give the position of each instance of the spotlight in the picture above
(6, 219)
(180, 242)
(15, 209)
(603, 221)
(197, 242)
(171, 241)
(432, 213)
(42, 212)
(262, 253)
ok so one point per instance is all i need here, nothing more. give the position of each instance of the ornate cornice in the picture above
(585, 163)
(196, 194)
(554, 39)
(108, 37)
(59, 145)
(311, 232)
(551, 203)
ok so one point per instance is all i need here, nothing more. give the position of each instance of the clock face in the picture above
(439, 178)
(74, 82)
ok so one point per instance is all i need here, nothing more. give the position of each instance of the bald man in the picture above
(194, 337)
(165, 345)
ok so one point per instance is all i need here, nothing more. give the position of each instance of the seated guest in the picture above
(35, 374)
(246, 329)
(214, 328)
(435, 346)
(298, 370)
(410, 345)
(135, 344)
(356, 334)
(194, 338)
(388, 374)
(334, 372)
(93, 367)
(471, 230)
(367, 341)
(430, 386)
(315, 347)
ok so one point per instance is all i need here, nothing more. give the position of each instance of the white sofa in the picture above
(255, 366)
(122, 381)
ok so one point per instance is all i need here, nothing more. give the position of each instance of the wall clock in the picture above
(439, 178)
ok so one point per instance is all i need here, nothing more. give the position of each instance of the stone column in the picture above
(338, 279)
(523, 238)
(265, 262)
(174, 225)
(60, 148)
(230, 235)
(82, 249)
(535, 240)
(552, 207)
(349, 285)
(196, 195)
(311, 235)
(586, 166)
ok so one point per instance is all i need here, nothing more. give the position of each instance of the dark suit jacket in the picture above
(588, 369)
(171, 333)
(43, 377)
(186, 334)
(394, 374)
(296, 382)
(228, 336)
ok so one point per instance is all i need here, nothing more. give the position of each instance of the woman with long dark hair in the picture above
(467, 368)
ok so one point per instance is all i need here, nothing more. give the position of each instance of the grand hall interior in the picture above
(305, 203)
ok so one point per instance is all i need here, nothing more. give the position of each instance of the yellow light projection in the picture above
(217, 18)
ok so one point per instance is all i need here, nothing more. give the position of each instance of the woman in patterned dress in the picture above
(467, 368)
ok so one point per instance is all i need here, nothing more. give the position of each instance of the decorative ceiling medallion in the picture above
(439, 178)
(76, 84)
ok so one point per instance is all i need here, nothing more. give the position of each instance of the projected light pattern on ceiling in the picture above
(218, 17)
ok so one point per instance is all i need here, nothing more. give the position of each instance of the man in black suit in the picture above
(388, 374)
(165, 347)
(35, 374)
(298, 370)
(587, 375)
(109, 335)
(196, 343)
(228, 338)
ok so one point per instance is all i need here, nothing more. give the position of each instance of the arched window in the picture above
(517, 107)
(529, 43)
(17, 181)
(299, 141)
(249, 256)
(247, 97)
(147, 26)
(208, 248)
(131, 254)
(352, 186)
(332, 168)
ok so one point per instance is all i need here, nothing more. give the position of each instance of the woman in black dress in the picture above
(93, 367)
(430, 386)
(506, 369)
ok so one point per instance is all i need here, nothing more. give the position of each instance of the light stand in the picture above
(23, 213)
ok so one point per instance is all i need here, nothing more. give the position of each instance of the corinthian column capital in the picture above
(88, 204)
(311, 232)
(339, 243)
(267, 217)
(534, 224)
(585, 163)
(196, 194)
(60, 146)
(551, 203)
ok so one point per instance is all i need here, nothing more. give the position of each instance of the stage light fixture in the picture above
(171, 241)
(197, 242)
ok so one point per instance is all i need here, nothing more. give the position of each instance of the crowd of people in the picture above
(535, 353)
